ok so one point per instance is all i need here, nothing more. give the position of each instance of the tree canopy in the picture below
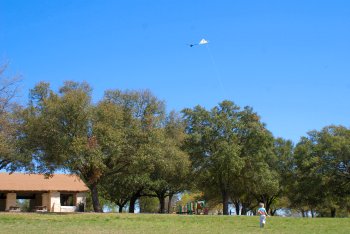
(127, 147)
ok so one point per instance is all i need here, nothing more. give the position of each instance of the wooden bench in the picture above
(14, 209)
(40, 208)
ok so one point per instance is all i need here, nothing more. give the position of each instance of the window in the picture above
(66, 199)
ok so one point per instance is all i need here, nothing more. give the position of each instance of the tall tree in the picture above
(65, 130)
(213, 147)
(10, 157)
(171, 164)
(144, 115)
(323, 169)
(257, 180)
(229, 149)
(283, 164)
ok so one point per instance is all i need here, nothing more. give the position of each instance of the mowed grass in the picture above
(150, 223)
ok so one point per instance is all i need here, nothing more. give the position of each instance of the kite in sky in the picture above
(202, 42)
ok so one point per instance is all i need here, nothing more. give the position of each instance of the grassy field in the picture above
(149, 223)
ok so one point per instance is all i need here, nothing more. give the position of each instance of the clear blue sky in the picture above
(289, 60)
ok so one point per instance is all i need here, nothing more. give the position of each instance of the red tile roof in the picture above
(37, 182)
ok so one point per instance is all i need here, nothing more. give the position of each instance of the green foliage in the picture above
(159, 166)
(322, 163)
(126, 146)
(229, 148)
(149, 205)
(171, 165)
(10, 157)
(24, 204)
(66, 130)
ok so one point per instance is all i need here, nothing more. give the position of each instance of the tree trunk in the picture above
(132, 203)
(169, 202)
(133, 200)
(269, 202)
(121, 204)
(95, 200)
(161, 204)
(273, 212)
(237, 204)
(225, 198)
(333, 210)
(302, 213)
(244, 209)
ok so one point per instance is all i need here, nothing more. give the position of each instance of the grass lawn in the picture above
(149, 223)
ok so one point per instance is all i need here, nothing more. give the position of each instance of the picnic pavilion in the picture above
(59, 193)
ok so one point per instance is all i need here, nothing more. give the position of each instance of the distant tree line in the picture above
(127, 146)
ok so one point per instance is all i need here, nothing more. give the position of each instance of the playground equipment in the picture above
(195, 207)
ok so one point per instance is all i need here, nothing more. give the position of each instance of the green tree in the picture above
(144, 115)
(276, 170)
(149, 205)
(65, 130)
(257, 180)
(230, 149)
(323, 162)
(170, 172)
(213, 147)
(10, 157)
(284, 166)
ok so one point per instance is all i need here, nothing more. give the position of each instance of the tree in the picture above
(154, 141)
(149, 205)
(284, 165)
(257, 181)
(213, 147)
(229, 149)
(170, 165)
(323, 169)
(65, 130)
(307, 187)
(276, 172)
(126, 188)
(143, 116)
(10, 157)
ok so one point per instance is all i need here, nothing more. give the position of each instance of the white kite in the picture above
(202, 42)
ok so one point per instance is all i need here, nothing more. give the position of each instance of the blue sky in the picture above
(289, 60)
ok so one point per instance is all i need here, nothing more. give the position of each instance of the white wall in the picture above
(80, 198)
(68, 208)
(55, 201)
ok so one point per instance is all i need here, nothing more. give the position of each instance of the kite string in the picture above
(218, 75)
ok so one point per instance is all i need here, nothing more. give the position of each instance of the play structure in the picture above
(194, 207)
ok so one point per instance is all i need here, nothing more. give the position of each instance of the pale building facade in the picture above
(59, 193)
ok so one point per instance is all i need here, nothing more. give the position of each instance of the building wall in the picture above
(11, 200)
(80, 201)
(51, 200)
(80, 198)
(55, 201)
(46, 200)
(68, 208)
